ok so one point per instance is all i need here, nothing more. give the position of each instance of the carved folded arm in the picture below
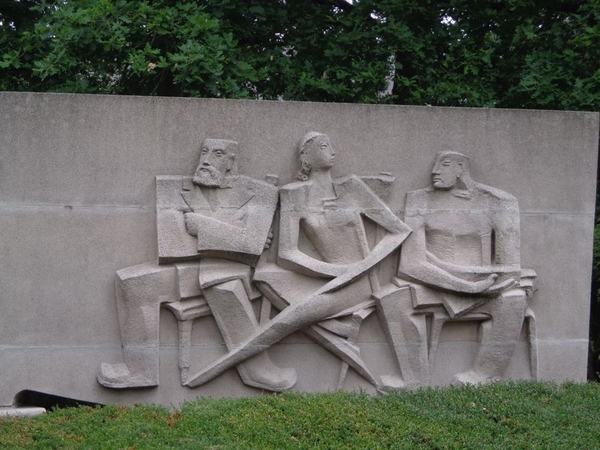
(192, 223)
(466, 271)
(435, 277)
(212, 233)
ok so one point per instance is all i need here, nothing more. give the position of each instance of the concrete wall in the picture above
(77, 203)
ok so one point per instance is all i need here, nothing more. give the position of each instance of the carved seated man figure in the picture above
(463, 256)
(220, 220)
(329, 213)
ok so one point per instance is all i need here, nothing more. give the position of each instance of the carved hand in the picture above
(269, 239)
(500, 286)
(191, 224)
(483, 286)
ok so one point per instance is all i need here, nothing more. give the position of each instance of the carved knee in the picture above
(147, 283)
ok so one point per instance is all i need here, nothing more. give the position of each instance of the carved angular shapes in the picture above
(330, 214)
(232, 223)
(222, 220)
(78, 204)
(174, 242)
(460, 260)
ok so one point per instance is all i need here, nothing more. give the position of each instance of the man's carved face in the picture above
(215, 161)
(446, 172)
(319, 154)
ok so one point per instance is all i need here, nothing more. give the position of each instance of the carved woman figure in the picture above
(330, 213)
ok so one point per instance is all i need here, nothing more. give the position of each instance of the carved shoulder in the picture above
(266, 192)
(295, 193)
(356, 188)
(350, 182)
(296, 185)
(252, 183)
(503, 198)
(418, 198)
(348, 179)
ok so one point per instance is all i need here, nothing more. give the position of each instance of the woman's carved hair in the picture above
(305, 168)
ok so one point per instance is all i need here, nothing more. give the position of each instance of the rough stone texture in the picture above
(462, 262)
(77, 204)
(328, 295)
(222, 221)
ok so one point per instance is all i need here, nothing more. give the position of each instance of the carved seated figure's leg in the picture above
(499, 338)
(235, 318)
(293, 318)
(407, 334)
(140, 290)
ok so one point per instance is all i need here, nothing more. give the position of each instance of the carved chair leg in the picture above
(265, 310)
(342, 377)
(185, 342)
(532, 341)
(438, 320)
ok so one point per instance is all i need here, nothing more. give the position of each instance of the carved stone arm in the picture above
(380, 213)
(415, 266)
(212, 233)
(467, 272)
(382, 250)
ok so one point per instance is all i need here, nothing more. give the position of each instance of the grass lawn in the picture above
(508, 415)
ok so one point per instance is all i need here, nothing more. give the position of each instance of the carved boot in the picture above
(141, 363)
(260, 372)
(235, 318)
(118, 376)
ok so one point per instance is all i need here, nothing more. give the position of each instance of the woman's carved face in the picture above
(319, 154)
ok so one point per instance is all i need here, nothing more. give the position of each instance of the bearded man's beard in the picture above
(208, 176)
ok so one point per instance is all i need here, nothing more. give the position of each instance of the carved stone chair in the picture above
(336, 334)
(429, 321)
(188, 309)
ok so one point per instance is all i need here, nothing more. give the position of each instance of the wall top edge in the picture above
(155, 99)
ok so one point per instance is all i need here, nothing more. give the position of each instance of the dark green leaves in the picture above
(510, 53)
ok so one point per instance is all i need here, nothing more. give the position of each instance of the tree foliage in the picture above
(502, 53)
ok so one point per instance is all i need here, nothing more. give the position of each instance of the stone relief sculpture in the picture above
(330, 214)
(461, 262)
(223, 219)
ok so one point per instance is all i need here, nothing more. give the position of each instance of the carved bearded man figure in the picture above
(222, 219)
